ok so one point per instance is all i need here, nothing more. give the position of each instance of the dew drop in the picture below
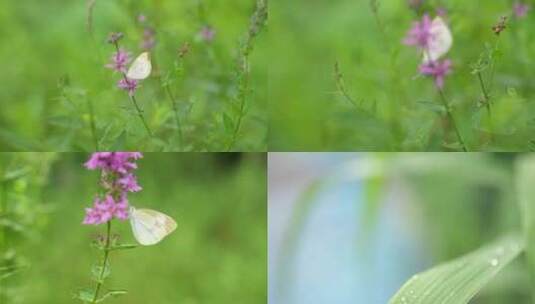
(494, 262)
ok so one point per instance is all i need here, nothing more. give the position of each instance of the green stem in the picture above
(140, 114)
(257, 23)
(486, 95)
(374, 6)
(452, 119)
(493, 64)
(175, 110)
(104, 263)
(244, 85)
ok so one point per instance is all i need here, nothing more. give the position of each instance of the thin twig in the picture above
(340, 84)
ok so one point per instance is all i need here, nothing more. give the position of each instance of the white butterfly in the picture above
(441, 42)
(140, 68)
(150, 226)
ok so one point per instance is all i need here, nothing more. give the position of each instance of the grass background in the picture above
(53, 68)
(397, 112)
(216, 255)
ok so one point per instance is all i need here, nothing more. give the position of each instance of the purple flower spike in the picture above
(520, 9)
(129, 85)
(117, 179)
(420, 35)
(119, 61)
(438, 70)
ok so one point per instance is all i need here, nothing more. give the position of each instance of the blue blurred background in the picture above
(352, 228)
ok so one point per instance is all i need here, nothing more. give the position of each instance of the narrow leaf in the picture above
(8, 271)
(525, 182)
(15, 174)
(458, 281)
(124, 246)
(112, 293)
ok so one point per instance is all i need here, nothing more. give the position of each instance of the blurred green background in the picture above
(216, 255)
(53, 72)
(397, 112)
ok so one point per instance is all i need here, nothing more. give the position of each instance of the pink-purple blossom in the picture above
(119, 61)
(149, 39)
(106, 209)
(129, 183)
(141, 18)
(114, 38)
(420, 35)
(436, 69)
(118, 162)
(129, 85)
(442, 11)
(117, 179)
(207, 33)
(520, 9)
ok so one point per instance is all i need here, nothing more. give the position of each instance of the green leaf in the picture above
(98, 274)
(85, 295)
(124, 246)
(13, 225)
(8, 271)
(458, 281)
(16, 174)
(433, 107)
(111, 293)
(525, 186)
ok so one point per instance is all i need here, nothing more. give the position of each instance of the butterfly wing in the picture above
(441, 42)
(150, 226)
(140, 68)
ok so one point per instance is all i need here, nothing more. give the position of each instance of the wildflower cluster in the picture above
(117, 179)
(119, 62)
(433, 39)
